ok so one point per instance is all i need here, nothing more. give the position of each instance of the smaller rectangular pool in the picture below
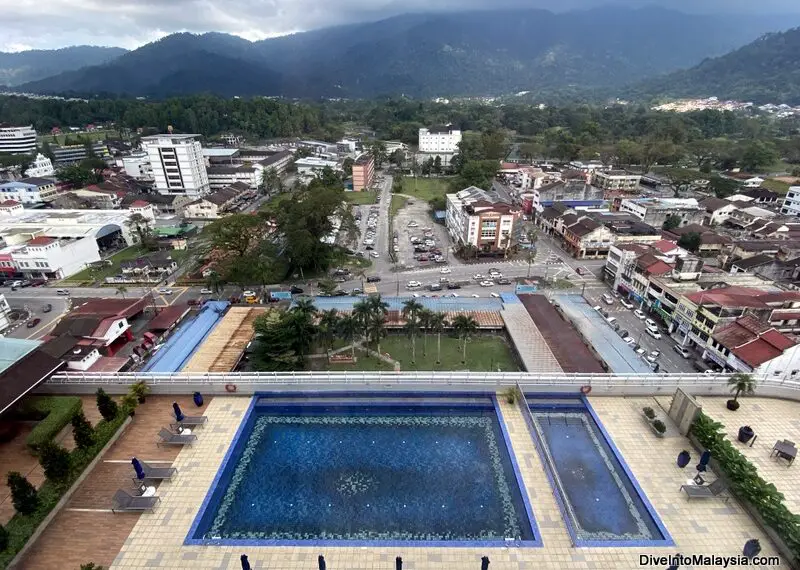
(602, 503)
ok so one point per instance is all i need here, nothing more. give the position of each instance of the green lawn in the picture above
(778, 186)
(397, 203)
(94, 135)
(364, 198)
(426, 188)
(90, 274)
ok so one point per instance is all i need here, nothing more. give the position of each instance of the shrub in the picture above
(108, 408)
(659, 426)
(140, 390)
(56, 413)
(55, 462)
(3, 538)
(747, 484)
(82, 431)
(649, 413)
(90, 566)
(23, 494)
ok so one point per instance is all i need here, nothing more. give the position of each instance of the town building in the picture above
(72, 154)
(41, 167)
(439, 140)
(97, 200)
(483, 220)
(220, 176)
(178, 164)
(214, 205)
(762, 196)
(318, 148)
(312, 166)
(363, 172)
(5, 311)
(656, 211)
(717, 211)
(711, 242)
(619, 180)
(754, 347)
(348, 147)
(29, 190)
(791, 204)
(278, 161)
(137, 166)
(45, 257)
(149, 268)
(17, 140)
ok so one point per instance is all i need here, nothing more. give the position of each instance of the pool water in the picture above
(597, 495)
(408, 473)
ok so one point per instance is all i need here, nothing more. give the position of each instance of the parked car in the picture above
(33, 322)
(374, 254)
(650, 323)
(639, 314)
(249, 294)
(62, 291)
(165, 291)
(47, 308)
(478, 277)
(611, 320)
(475, 296)
(682, 350)
(503, 281)
(654, 333)
(623, 333)
(495, 295)
(629, 340)
(453, 286)
(625, 303)
(206, 291)
(487, 283)
(373, 279)
(445, 270)
(608, 299)
(295, 290)
(413, 284)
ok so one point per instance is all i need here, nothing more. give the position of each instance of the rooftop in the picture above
(13, 349)
(752, 341)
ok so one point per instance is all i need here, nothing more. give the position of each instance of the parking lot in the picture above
(411, 222)
(627, 320)
(368, 218)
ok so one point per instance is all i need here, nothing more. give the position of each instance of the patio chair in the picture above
(787, 442)
(715, 489)
(125, 502)
(169, 438)
(156, 473)
(190, 421)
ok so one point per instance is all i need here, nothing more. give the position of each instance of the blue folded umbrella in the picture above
(178, 413)
(704, 459)
(321, 562)
(243, 558)
(138, 468)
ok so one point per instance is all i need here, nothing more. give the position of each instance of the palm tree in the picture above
(270, 180)
(425, 316)
(215, 283)
(437, 323)
(348, 326)
(361, 274)
(361, 316)
(741, 384)
(376, 330)
(121, 290)
(305, 306)
(411, 309)
(328, 324)
(141, 226)
(532, 237)
(464, 326)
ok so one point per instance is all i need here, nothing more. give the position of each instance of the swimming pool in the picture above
(388, 472)
(602, 503)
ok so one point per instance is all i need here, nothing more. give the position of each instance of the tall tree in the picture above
(425, 316)
(411, 310)
(328, 327)
(438, 322)
(270, 181)
(378, 151)
(464, 326)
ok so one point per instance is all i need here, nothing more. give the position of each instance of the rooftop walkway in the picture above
(222, 349)
(531, 346)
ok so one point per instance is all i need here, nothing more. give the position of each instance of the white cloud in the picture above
(131, 23)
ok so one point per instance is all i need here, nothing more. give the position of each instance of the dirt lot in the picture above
(417, 211)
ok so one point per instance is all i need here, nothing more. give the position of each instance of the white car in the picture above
(495, 295)
(475, 296)
(487, 283)
(249, 294)
(374, 254)
(611, 320)
(477, 277)
(206, 291)
(494, 273)
(597, 308)
(639, 314)
(629, 340)
(413, 225)
(445, 270)
(625, 303)
(415, 295)
(608, 299)
(165, 291)
(413, 284)
(654, 333)
(650, 323)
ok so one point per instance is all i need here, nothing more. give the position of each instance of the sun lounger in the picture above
(715, 489)
(191, 421)
(169, 438)
(124, 502)
(156, 473)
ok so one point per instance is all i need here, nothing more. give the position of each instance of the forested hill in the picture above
(31, 65)
(764, 71)
(425, 55)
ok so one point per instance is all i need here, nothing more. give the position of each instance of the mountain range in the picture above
(422, 55)
(22, 67)
(764, 71)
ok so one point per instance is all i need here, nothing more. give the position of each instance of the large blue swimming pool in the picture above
(367, 473)
(600, 499)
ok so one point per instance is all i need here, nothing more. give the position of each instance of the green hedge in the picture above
(20, 528)
(746, 483)
(58, 412)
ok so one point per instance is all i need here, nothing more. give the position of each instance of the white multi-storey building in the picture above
(17, 140)
(481, 219)
(40, 167)
(178, 164)
(29, 190)
(791, 204)
(137, 166)
(439, 140)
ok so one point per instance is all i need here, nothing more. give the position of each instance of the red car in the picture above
(33, 322)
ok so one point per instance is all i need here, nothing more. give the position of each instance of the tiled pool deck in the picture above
(698, 527)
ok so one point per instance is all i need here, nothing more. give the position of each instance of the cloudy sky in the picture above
(41, 24)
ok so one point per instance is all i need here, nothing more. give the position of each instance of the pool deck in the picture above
(698, 527)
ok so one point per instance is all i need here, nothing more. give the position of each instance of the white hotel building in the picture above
(791, 204)
(178, 164)
(439, 140)
(17, 140)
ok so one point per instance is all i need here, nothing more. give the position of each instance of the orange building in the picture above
(363, 172)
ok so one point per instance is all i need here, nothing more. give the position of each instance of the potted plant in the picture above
(649, 413)
(684, 457)
(659, 428)
(129, 402)
(746, 433)
(140, 390)
(741, 384)
(197, 398)
(511, 394)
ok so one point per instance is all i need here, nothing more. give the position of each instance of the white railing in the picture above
(250, 382)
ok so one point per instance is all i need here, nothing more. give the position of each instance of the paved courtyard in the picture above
(698, 527)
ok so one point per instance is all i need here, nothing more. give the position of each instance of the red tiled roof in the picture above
(664, 246)
(659, 268)
(785, 315)
(752, 341)
(168, 317)
(729, 297)
(139, 204)
(112, 307)
(41, 240)
(9, 204)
